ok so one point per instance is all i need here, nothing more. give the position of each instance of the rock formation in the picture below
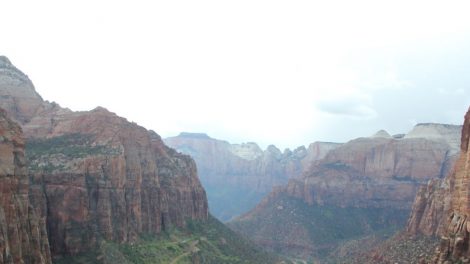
(443, 208)
(23, 234)
(102, 177)
(379, 175)
(373, 172)
(243, 171)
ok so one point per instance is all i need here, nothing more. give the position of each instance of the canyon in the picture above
(90, 186)
(237, 176)
(80, 183)
(370, 182)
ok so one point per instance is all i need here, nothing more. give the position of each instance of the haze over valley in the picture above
(247, 132)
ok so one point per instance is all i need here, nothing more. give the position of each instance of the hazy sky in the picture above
(282, 72)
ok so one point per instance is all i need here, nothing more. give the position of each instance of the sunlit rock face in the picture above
(23, 235)
(102, 176)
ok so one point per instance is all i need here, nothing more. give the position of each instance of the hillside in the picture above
(199, 242)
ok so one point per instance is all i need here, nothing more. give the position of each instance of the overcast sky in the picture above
(281, 72)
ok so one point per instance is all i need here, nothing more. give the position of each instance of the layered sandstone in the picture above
(444, 210)
(246, 165)
(373, 180)
(236, 176)
(373, 172)
(102, 177)
(23, 234)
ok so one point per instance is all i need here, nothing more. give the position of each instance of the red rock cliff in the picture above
(23, 235)
(444, 208)
(373, 172)
(102, 177)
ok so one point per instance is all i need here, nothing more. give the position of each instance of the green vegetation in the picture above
(295, 228)
(41, 153)
(200, 242)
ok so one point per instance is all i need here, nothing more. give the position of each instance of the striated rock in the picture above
(429, 205)
(433, 131)
(373, 172)
(248, 151)
(116, 180)
(443, 208)
(232, 173)
(246, 164)
(23, 233)
(101, 176)
(456, 227)
(370, 183)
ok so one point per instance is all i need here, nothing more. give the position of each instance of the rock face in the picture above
(373, 172)
(102, 177)
(443, 208)
(23, 234)
(246, 165)
(235, 173)
(17, 93)
(433, 131)
(379, 175)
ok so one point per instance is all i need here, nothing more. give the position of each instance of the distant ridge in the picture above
(194, 135)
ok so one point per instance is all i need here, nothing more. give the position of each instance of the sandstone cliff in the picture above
(373, 172)
(368, 181)
(23, 235)
(443, 208)
(102, 177)
(246, 165)
(237, 176)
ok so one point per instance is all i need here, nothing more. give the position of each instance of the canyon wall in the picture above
(23, 234)
(237, 176)
(101, 176)
(442, 208)
(374, 172)
(369, 182)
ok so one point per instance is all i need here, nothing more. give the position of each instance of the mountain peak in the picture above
(4, 61)
(194, 135)
(381, 134)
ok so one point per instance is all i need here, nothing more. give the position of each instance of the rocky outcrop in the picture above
(381, 134)
(246, 165)
(17, 94)
(434, 131)
(450, 219)
(243, 170)
(370, 182)
(373, 172)
(428, 208)
(115, 181)
(102, 177)
(23, 234)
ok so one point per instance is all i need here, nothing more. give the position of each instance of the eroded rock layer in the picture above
(444, 208)
(23, 234)
(237, 176)
(102, 177)
(373, 172)
(374, 180)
